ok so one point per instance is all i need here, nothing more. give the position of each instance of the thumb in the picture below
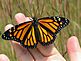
(4, 57)
(74, 50)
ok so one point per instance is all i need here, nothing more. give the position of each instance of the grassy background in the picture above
(70, 9)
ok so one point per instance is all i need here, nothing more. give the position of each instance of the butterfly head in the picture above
(35, 19)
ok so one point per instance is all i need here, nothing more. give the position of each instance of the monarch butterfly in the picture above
(42, 30)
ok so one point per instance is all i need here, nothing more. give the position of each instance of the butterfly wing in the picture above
(49, 27)
(23, 33)
(26, 34)
(46, 37)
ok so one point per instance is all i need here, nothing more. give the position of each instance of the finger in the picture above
(50, 53)
(4, 57)
(54, 57)
(8, 27)
(22, 53)
(48, 50)
(57, 57)
(74, 49)
(20, 18)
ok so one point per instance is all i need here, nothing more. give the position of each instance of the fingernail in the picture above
(4, 57)
(20, 17)
(8, 27)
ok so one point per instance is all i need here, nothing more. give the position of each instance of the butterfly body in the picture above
(42, 30)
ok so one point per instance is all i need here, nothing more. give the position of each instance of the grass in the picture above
(70, 9)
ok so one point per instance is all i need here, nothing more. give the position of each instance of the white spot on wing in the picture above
(57, 17)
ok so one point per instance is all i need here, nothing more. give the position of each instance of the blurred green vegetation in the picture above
(70, 9)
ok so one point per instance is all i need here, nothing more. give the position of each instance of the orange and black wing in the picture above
(49, 27)
(23, 33)
(46, 37)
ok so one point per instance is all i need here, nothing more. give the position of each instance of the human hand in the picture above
(47, 53)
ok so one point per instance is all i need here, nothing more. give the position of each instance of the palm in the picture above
(48, 53)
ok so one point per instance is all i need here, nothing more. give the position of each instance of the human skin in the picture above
(47, 53)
